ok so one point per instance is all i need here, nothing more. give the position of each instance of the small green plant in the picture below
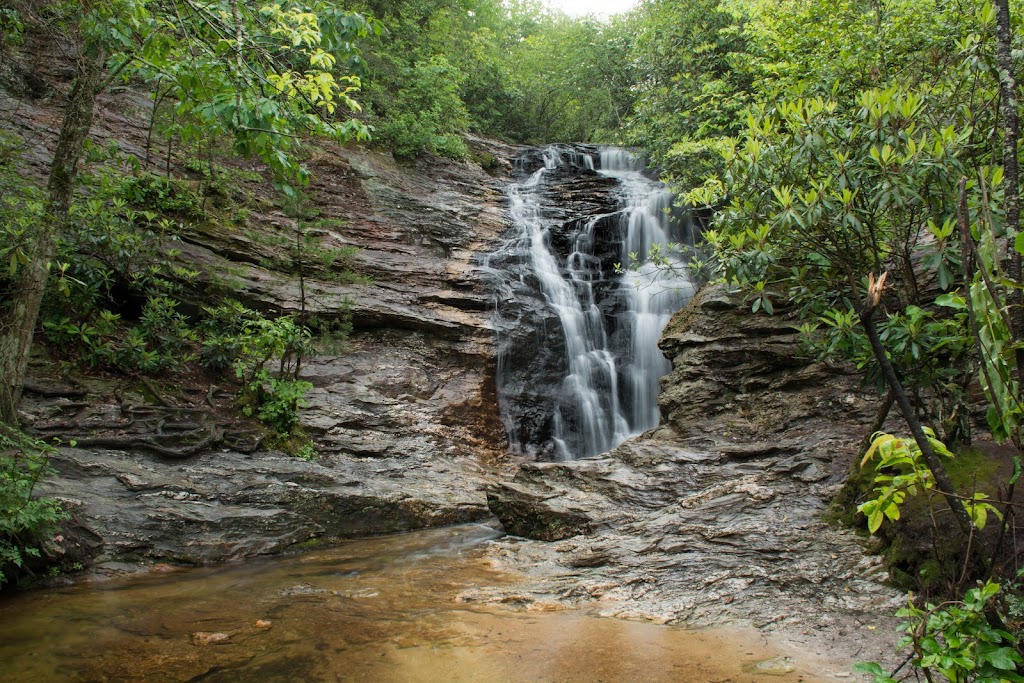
(266, 355)
(164, 195)
(330, 335)
(307, 452)
(274, 395)
(279, 402)
(12, 28)
(25, 519)
(901, 472)
(956, 640)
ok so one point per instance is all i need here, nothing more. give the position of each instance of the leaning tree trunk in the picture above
(942, 481)
(22, 309)
(1011, 173)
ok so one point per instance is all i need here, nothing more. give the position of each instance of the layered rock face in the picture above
(404, 416)
(716, 515)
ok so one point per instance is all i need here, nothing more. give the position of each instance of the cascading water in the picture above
(578, 357)
(653, 294)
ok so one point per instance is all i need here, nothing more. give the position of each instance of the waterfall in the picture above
(588, 333)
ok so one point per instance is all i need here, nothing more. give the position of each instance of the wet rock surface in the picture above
(404, 415)
(713, 517)
(532, 347)
(226, 505)
(716, 516)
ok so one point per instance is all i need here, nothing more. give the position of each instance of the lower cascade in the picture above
(579, 306)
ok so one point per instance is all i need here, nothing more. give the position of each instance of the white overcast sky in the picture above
(577, 8)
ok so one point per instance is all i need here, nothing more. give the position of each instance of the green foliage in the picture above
(26, 521)
(575, 79)
(265, 354)
(307, 452)
(166, 331)
(934, 355)
(830, 140)
(825, 195)
(330, 335)
(690, 92)
(819, 191)
(114, 249)
(12, 28)
(909, 476)
(259, 74)
(998, 368)
(956, 640)
(117, 255)
(221, 331)
(160, 194)
(21, 205)
(162, 340)
(426, 113)
(273, 394)
(279, 401)
(511, 69)
(1013, 605)
(901, 472)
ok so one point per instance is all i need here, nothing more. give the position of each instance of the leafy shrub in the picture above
(274, 395)
(162, 340)
(221, 332)
(25, 521)
(113, 247)
(426, 114)
(956, 640)
(901, 471)
(166, 331)
(280, 400)
(157, 193)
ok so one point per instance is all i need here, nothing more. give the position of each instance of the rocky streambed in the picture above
(716, 516)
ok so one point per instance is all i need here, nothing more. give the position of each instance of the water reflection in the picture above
(373, 610)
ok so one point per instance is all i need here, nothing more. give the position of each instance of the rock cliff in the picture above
(404, 417)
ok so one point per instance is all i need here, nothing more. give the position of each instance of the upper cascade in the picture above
(579, 306)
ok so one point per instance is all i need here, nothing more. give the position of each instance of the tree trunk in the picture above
(26, 296)
(942, 481)
(1011, 175)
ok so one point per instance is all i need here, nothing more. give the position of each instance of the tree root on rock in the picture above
(159, 427)
(214, 437)
(52, 389)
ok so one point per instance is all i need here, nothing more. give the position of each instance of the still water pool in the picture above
(384, 609)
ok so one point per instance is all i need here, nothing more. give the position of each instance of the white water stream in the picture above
(612, 361)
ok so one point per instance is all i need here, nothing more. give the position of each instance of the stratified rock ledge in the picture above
(716, 516)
